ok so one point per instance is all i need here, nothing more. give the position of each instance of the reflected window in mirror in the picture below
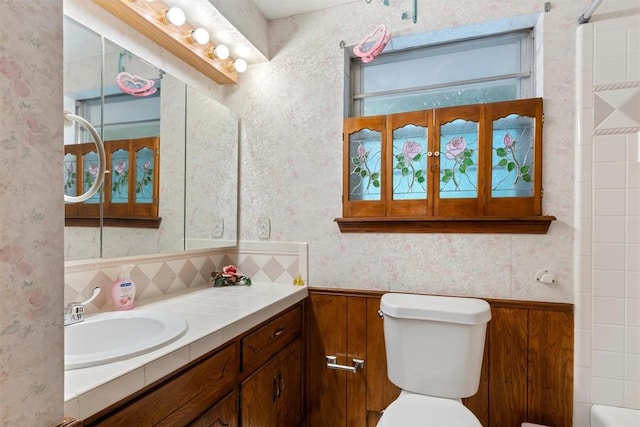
(130, 125)
(131, 187)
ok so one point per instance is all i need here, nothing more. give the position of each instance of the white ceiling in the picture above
(274, 9)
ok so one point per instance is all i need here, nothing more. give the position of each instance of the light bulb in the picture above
(200, 36)
(221, 51)
(240, 65)
(175, 15)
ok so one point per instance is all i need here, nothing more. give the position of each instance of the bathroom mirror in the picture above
(198, 149)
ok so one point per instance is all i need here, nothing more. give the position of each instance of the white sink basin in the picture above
(109, 337)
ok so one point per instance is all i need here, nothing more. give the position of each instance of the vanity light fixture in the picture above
(200, 36)
(187, 42)
(174, 15)
(221, 52)
(240, 65)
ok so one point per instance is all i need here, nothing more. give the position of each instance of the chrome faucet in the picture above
(74, 311)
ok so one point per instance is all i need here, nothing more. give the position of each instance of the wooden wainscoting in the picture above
(527, 369)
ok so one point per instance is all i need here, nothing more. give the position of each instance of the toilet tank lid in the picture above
(468, 311)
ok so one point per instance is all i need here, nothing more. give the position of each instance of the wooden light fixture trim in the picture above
(146, 17)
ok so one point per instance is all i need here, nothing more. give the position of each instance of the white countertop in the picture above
(214, 315)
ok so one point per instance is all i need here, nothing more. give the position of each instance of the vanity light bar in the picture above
(153, 19)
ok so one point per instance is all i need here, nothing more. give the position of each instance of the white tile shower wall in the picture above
(161, 276)
(608, 135)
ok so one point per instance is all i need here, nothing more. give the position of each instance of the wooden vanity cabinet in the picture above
(271, 394)
(253, 380)
(181, 398)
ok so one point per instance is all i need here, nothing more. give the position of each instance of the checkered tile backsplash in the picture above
(162, 276)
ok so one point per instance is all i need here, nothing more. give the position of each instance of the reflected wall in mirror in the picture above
(198, 149)
(207, 123)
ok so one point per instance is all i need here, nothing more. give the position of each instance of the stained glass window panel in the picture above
(144, 175)
(70, 177)
(512, 159)
(90, 173)
(410, 163)
(365, 150)
(120, 177)
(459, 160)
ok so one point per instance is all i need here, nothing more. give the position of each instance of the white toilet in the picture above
(434, 354)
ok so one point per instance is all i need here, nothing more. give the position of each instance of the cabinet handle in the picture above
(277, 332)
(437, 153)
(281, 387)
(357, 364)
(276, 391)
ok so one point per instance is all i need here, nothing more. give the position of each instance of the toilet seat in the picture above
(416, 410)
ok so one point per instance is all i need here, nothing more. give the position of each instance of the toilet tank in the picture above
(435, 344)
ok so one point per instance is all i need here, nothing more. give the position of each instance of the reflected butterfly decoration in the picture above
(135, 85)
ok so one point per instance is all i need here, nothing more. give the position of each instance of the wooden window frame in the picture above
(484, 214)
(130, 214)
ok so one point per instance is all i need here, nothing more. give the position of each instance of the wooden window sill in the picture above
(128, 222)
(487, 225)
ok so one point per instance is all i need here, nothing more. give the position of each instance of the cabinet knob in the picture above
(429, 154)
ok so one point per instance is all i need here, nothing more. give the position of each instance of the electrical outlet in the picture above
(217, 230)
(264, 228)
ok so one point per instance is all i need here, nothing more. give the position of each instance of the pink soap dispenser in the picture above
(123, 290)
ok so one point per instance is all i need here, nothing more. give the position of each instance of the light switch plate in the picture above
(264, 228)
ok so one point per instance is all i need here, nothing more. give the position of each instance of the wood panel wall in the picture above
(527, 370)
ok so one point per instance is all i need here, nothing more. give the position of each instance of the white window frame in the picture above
(354, 104)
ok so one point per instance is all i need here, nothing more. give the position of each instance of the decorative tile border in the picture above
(161, 276)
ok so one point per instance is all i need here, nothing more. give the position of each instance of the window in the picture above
(445, 135)
(486, 69)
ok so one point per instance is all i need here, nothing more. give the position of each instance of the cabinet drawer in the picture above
(266, 341)
(180, 399)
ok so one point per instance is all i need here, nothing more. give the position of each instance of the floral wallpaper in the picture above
(291, 110)
(31, 213)
(293, 106)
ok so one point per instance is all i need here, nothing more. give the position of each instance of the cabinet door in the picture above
(457, 147)
(259, 396)
(223, 414)
(409, 184)
(290, 385)
(364, 158)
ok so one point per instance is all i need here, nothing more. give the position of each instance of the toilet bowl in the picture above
(434, 348)
(417, 410)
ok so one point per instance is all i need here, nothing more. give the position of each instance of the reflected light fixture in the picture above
(200, 36)
(168, 27)
(175, 16)
(240, 65)
(221, 52)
